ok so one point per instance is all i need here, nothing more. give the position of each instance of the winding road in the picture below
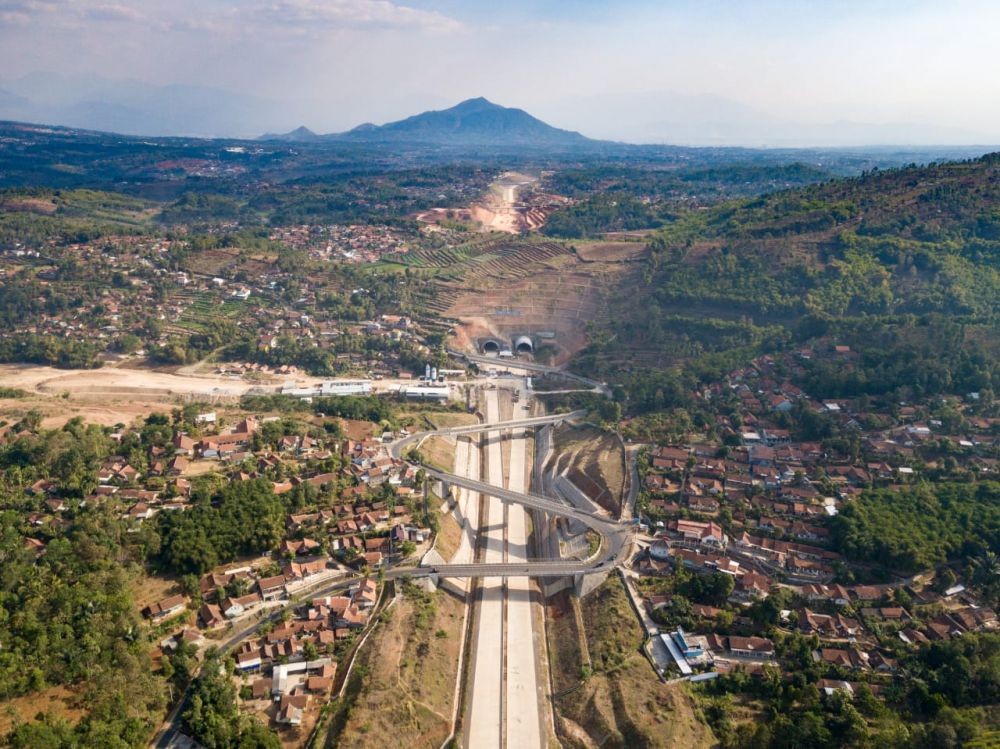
(616, 537)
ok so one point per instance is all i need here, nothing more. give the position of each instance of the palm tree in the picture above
(986, 572)
(986, 567)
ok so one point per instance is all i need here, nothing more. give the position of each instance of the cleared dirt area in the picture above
(559, 294)
(406, 676)
(596, 463)
(118, 381)
(57, 411)
(610, 252)
(605, 691)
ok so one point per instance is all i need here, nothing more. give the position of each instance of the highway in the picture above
(397, 447)
(487, 703)
(494, 361)
(523, 723)
(615, 535)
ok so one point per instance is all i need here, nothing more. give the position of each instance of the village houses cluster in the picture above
(755, 504)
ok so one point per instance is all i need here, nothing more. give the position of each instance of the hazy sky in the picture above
(334, 63)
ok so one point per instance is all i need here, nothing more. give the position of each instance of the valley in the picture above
(487, 441)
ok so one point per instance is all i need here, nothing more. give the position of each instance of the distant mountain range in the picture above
(666, 117)
(133, 107)
(472, 122)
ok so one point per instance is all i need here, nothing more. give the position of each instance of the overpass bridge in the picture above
(615, 535)
(551, 568)
(397, 447)
(493, 361)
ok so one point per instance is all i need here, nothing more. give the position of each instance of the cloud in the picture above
(230, 17)
(70, 12)
(323, 15)
(111, 13)
(23, 11)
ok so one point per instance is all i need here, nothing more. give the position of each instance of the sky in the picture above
(630, 69)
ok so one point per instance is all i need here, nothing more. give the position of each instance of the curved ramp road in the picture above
(615, 535)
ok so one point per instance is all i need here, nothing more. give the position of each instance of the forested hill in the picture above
(949, 201)
(904, 264)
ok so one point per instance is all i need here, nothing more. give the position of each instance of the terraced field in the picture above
(225, 262)
(203, 308)
(500, 287)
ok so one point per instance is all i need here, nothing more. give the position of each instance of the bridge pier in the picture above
(585, 584)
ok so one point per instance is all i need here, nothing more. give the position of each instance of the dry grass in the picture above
(623, 703)
(439, 452)
(610, 252)
(58, 701)
(442, 420)
(57, 411)
(357, 430)
(408, 681)
(201, 467)
(598, 462)
(148, 589)
(449, 536)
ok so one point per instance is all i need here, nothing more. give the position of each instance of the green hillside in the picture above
(903, 265)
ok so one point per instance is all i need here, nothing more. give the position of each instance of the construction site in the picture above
(514, 204)
(502, 289)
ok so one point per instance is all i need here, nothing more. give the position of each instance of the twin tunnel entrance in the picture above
(519, 345)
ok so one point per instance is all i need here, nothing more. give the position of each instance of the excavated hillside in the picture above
(503, 287)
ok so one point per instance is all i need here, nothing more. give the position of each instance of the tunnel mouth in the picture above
(491, 347)
(523, 345)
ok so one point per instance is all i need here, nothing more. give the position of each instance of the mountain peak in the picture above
(476, 121)
(299, 134)
(479, 102)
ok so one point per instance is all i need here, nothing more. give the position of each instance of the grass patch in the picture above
(439, 452)
(446, 419)
(617, 700)
(404, 680)
(449, 536)
(597, 466)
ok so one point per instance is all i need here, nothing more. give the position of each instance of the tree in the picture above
(407, 548)
(986, 573)
(309, 651)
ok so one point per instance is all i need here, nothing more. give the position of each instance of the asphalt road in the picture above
(168, 731)
(616, 537)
